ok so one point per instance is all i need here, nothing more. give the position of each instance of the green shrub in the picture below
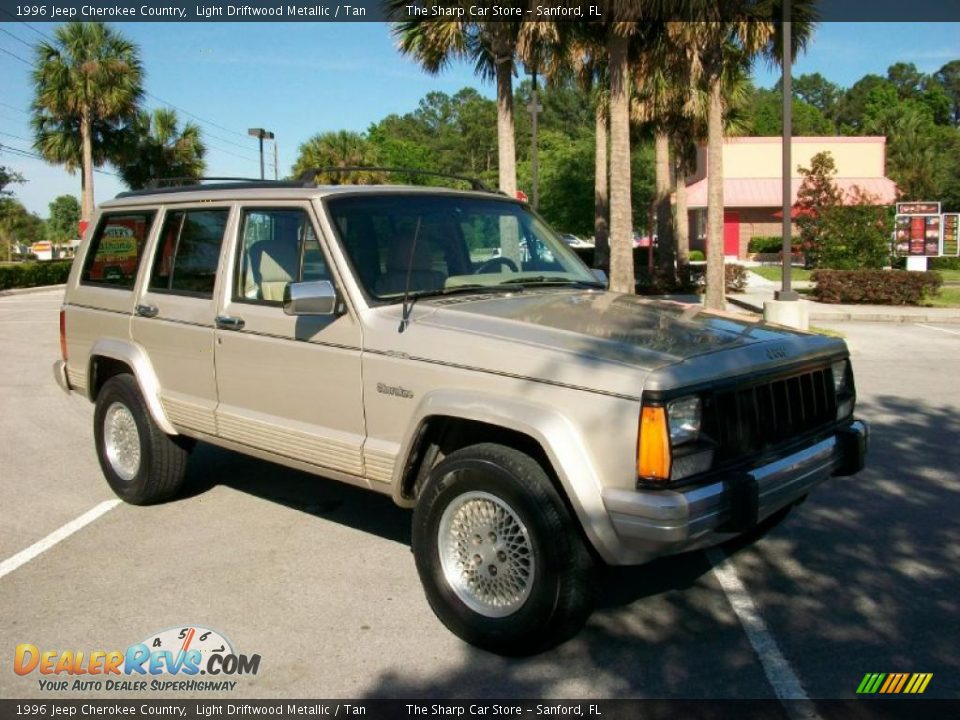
(697, 256)
(875, 287)
(857, 237)
(769, 244)
(943, 263)
(34, 274)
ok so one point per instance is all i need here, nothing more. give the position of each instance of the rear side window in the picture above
(115, 251)
(189, 251)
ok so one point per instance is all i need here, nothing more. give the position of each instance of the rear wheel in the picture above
(500, 557)
(141, 463)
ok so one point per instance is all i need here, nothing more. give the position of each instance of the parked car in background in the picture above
(575, 242)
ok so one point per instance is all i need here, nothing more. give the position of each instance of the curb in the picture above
(31, 290)
(841, 316)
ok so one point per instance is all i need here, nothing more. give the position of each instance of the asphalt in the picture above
(318, 577)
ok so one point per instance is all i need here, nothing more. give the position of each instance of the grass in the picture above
(826, 331)
(773, 272)
(948, 297)
(952, 275)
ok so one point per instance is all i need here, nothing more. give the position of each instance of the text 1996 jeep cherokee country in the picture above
(448, 349)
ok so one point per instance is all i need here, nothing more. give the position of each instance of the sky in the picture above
(300, 79)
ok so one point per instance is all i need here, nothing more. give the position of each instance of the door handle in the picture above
(227, 322)
(147, 311)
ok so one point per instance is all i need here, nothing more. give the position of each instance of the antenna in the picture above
(407, 305)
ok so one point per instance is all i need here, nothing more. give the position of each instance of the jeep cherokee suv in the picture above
(448, 349)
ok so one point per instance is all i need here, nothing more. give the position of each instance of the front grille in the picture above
(749, 419)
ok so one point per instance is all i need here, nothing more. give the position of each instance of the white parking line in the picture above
(931, 327)
(783, 680)
(61, 533)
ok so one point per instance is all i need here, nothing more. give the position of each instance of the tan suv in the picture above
(448, 349)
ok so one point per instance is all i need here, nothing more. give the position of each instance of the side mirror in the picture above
(601, 276)
(316, 297)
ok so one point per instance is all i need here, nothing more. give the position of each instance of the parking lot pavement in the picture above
(318, 579)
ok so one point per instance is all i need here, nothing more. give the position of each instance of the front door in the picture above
(288, 385)
(731, 233)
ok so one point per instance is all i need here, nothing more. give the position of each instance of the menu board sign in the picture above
(918, 208)
(917, 235)
(950, 243)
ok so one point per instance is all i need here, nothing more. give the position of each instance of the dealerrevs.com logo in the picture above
(170, 660)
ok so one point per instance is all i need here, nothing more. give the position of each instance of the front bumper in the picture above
(651, 523)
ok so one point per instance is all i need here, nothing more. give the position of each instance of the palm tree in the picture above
(90, 75)
(620, 35)
(586, 60)
(340, 149)
(491, 46)
(714, 44)
(156, 148)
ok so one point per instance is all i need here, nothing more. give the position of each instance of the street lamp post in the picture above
(786, 292)
(260, 134)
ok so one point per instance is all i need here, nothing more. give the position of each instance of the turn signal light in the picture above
(653, 445)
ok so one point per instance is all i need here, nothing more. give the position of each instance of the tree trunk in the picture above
(666, 252)
(715, 298)
(601, 193)
(683, 220)
(87, 146)
(622, 278)
(507, 153)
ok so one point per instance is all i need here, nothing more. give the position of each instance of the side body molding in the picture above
(559, 439)
(133, 355)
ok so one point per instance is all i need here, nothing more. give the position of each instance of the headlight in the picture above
(683, 417)
(839, 370)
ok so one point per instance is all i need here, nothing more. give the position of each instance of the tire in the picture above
(545, 591)
(142, 464)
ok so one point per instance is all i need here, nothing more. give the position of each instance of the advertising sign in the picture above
(950, 242)
(916, 229)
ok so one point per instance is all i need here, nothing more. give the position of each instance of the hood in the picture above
(603, 325)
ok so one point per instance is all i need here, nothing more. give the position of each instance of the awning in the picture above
(768, 193)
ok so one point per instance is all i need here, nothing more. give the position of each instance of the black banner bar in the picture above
(46, 11)
(865, 709)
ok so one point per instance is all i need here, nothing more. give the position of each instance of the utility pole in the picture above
(535, 109)
(275, 163)
(786, 292)
(260, 134)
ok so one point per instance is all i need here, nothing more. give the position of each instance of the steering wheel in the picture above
(496, 262)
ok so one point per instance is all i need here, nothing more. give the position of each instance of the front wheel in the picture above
(141, 463)
(501, 559)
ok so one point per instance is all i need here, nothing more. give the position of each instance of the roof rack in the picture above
(307, 178)
(185, 184)
(310, 175)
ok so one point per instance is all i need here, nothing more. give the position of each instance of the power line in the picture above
(196, 117)
(14, 107)
(13, 55)
(19, 40)
(15, 136)
(27, 153)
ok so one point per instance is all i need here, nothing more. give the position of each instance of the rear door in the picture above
(287, 385)
(174, 317)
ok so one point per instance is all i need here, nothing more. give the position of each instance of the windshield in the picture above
(433, 244)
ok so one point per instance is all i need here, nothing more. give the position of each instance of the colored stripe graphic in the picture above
(894, 683)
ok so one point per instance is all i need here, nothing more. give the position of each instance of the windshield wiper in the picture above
(410, 298)
(547, 280)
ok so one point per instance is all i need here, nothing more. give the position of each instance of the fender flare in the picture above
(136, 358)
(559, 439)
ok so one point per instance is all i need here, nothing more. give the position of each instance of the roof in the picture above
(768, 192)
